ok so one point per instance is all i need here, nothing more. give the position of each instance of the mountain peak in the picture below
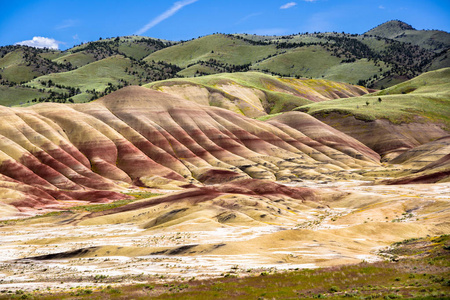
(390, 29)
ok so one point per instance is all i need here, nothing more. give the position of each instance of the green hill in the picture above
(225, 49)
(18, 95)
(387, 55)
(95, 79)
(364, 59)
(435, 40)
(20, 64)
(427, 96)
(133, 47)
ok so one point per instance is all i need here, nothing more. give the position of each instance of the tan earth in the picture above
(238, 195)
(184, 239)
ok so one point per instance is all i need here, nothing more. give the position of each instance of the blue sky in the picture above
(62, 24)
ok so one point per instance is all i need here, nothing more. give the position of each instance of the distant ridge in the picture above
(385, 56)
(435, 40)
(390, 29)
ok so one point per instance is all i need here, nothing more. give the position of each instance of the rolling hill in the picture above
(144, 161)
(220, 48)
(400, 117)
(175, 178)
(137, 136)
(256, 94)
(387, 55)
(145, 181)
(435, 40)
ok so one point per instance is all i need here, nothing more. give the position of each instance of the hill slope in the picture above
(435, 40)
(222, 49)
(385, 56)
(137, 136)
(401, 117)
(93, 80)
(256, 94)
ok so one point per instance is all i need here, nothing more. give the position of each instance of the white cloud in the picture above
(167, 14)
(310, 0)
(381, 7)
(41, 42)
(67, 24)
(288, 5)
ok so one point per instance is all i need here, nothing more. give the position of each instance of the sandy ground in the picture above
(347, 230)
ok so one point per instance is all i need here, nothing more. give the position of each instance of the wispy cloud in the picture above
(41, 42)
(269, 31)
(310, 0)
(66, 24)
(248, 17)
(167, 14)
(288, 5)
(381, 7)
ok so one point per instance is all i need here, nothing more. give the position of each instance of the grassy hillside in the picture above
(389, 54)
(222, 48)
(20, 64)
(368, 60)
(441, 61)
(9, 95)
(109, 74)
(77, 59)
(308, 61)
(14, 68)
(136, 47)
(426, 96)
(429, 39)
(92, 76)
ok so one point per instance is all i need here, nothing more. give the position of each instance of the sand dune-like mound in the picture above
(243, 202)
(141, 137)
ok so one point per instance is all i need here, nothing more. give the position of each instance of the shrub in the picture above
(334, 289)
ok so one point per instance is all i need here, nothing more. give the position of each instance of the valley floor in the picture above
(346, 229)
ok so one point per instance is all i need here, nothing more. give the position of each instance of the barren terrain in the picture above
(350, 227)
(145, 186)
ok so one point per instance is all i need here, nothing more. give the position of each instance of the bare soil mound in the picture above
(141, 137)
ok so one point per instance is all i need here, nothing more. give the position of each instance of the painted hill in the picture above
(428, 163)
(256, 94)
(222, 210)
(140, 137)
